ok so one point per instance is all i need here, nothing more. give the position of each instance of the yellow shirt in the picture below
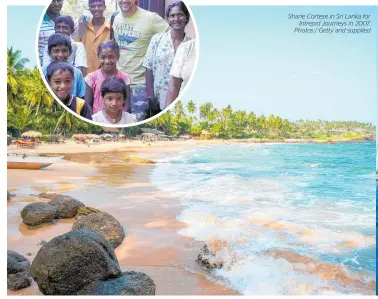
(91, 40)
(133, 34)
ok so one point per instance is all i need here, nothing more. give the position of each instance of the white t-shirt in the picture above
(78, 58)
(183, 62)
(126, 118)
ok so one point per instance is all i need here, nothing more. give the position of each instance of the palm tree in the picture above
(15, 68)
(20, 119)
(205, 110)
(36, 92)
(68, 123)
(191, 107)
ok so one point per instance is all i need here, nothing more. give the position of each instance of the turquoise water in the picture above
(312, 200)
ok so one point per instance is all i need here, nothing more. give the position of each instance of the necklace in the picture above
(108, 117)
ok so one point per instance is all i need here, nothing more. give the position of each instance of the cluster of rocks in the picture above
(18, 271)
(60, 206)
(82, 261)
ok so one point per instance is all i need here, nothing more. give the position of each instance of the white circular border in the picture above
(170, 107)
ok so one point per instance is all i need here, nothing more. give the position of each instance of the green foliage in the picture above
(31, 107)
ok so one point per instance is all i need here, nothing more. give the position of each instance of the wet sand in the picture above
(102, 180)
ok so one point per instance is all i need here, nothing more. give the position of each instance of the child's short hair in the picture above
(92, 1)
(55, 66)
(114, 84)
(66, 20)
(59, 39)
(108, 44)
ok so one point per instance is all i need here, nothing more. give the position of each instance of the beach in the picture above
(280, 224)
(98, 177)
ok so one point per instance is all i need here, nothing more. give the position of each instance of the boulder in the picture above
(71, 261)
(208, 259)
(103, 223)
(83, 211)
(129, 283)
(8, 195)
(66, 206)
(18, 271)
(38, 213)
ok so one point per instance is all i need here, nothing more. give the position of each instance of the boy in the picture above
(65, 25)
(59, 49)
(60, 75)
(93, 33)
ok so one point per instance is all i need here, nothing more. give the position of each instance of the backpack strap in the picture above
(114, 14)
(79, 105)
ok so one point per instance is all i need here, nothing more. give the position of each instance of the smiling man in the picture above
(93, 33)
(133, 29)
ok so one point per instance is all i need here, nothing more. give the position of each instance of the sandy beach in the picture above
(97, 176)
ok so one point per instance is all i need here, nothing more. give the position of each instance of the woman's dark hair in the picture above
(59, 39)
(60, 66)
(114, 84)
(66, 20)
(180, 5)
(108, 44)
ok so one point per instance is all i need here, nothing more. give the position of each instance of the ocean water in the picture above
(282, 218)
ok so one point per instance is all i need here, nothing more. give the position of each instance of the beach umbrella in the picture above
(32, 134)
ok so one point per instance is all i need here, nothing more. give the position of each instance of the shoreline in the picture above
(152, 244)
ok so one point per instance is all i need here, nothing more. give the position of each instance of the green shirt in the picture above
(133, 34)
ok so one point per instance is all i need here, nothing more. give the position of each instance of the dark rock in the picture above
(18, 271)
(103, 223)
(129, 283)
(66, 206)
(37, 213)
(208, 259)
(8, 195)
(42, 243)
(71, 261)
(16, 262)
(83, 211)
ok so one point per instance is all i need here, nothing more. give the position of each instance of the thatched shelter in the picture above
(31, 134)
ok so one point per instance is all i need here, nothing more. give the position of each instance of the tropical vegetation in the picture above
(30, 106)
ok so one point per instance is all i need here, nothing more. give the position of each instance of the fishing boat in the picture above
(23, 161)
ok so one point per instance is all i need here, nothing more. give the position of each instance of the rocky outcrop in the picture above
(18, 271)
(129, 283)
(104, 224)
(66, 206)
(8, 195)
(72, 261)
(38, 213)
(208, 259)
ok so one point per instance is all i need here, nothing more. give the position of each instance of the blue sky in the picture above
(22, 28)
(250, 58)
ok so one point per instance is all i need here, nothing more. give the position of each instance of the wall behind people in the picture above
(76, 8)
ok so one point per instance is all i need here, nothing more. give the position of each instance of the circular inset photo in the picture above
(117, 63)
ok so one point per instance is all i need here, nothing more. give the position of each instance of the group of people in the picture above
(117, 71)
